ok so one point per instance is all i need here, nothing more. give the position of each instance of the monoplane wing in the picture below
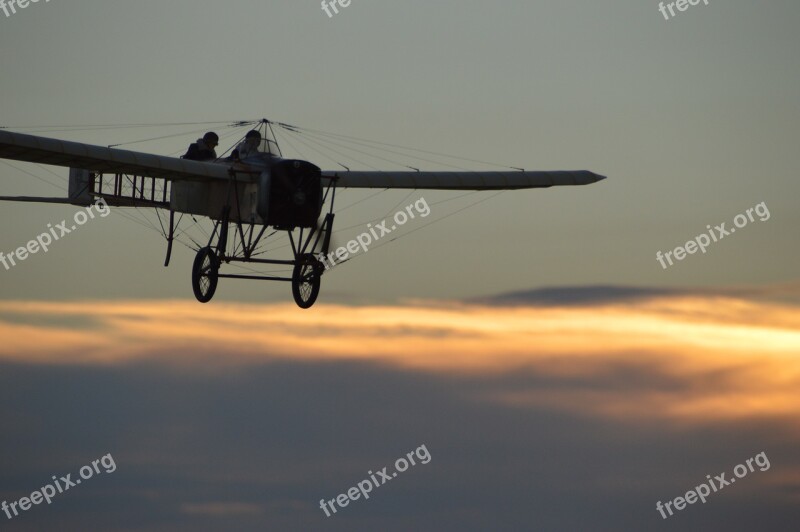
(30, 148)
(34, 149)
(506, 180)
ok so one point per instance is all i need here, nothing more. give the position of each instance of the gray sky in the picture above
(694, 120)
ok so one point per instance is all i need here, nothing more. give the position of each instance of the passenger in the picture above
(203, 149)
(249, 147)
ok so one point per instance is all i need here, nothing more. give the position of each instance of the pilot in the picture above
(249, 147)
(203, 149)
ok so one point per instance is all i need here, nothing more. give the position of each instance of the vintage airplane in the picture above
(244, 198)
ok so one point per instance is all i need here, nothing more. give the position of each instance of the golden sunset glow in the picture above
(722, 357)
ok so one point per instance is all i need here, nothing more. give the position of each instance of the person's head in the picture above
(211, 139)
(253, 137)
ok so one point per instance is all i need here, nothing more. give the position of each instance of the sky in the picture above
(559, 375)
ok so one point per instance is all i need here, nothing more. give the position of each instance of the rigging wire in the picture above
(432, 222)
(361, 152)
(43, 180)
(335, 161)
(101, 127)
(151, 139)
(312, 135)
(337, 135)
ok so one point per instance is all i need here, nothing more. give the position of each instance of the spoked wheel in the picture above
(205, 274)
(306, 280)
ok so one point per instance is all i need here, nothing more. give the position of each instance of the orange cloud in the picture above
(696, 357)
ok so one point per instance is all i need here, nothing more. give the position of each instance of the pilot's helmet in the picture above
(254, 134)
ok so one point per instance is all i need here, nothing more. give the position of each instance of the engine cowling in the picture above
(290, 194)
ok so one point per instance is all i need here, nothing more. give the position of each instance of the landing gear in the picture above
(205, 274)
(306, 280)
(235, 241)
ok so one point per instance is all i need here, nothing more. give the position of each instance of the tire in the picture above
(205, 272)
(306, 280)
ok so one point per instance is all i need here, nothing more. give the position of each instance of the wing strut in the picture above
(171, 237)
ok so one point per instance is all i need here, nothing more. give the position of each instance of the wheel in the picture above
(205, 274)
(306, 280)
